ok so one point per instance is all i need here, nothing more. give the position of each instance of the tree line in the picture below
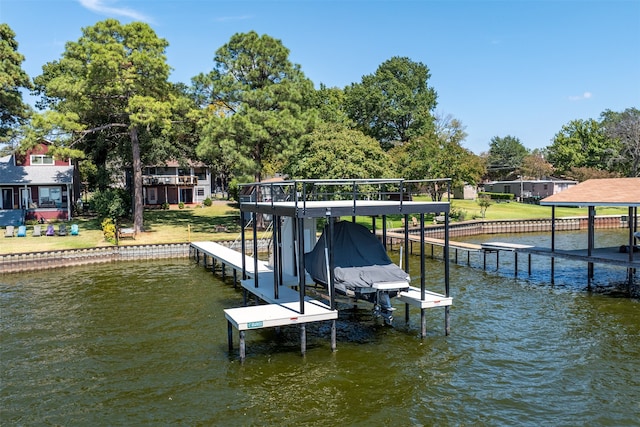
(108, 104)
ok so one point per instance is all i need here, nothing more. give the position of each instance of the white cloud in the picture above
(99, 6)
(585, 95)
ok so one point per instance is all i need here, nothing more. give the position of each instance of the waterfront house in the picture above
(174, 183)
(35, 185)
(530, 190)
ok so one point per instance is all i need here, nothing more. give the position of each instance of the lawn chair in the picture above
(22, 231)
(50, 230)
(8, 232)
(62, 230)
(37, 230)
(74, 229)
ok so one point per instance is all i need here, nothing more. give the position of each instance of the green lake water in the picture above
(145, 343)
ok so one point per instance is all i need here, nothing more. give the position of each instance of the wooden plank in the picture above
(272, 315)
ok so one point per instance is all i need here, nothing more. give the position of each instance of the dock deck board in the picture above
(272, 315)
(431, 299)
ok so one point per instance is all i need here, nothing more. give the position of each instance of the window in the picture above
(200, 191)
(41, 159)
(49, 196)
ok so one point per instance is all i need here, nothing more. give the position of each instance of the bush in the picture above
(111, 203)
(109, 230)
(497, 196)
(207, 201)
(181, 205)
(165, 206)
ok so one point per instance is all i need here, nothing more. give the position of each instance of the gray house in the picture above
(530, 189)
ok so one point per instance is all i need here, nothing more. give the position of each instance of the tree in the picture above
(395, 103)
(581, 143)
(535, 166)
(484, 202)
(265, 99)
(108, 96)
(333, 152)
(505, 156)
(13, 111)
(625, 128)
(440, 154)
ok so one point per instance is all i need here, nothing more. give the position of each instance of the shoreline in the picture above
(45, 260)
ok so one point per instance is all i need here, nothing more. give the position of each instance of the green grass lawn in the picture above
(209, 223)
(161, 226)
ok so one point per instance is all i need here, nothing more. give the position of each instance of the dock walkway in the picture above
(282, 304)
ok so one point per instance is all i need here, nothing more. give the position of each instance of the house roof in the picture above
(10, 174)
(599, 192)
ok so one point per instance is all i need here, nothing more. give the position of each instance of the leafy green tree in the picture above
(395, 103)
(333, 152)
(625, 128)
(505, 156)
(579, 144)
(108, 96)
(13, 111)
(266, 104)
(440, 154)
(330, 103)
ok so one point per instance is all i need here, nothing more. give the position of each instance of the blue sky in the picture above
(519, 68)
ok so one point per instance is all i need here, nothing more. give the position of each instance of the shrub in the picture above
(165, 206)
(207, 201)
(111, 203)
(496, 196)
(109, 230)
(181, 205)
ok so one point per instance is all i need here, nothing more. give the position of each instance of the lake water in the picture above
(145, 343)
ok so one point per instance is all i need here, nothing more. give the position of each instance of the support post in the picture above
(230, 335)
(333, 335)
(303, 339)
(423, 323)
(243, 350)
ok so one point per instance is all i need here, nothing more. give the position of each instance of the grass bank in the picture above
(220, 222)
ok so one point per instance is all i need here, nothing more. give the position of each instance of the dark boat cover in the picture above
(360, 260)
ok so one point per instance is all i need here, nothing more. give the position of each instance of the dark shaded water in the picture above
(145, 343)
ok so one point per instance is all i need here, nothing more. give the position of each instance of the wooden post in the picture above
(230, 335)
(423, 323)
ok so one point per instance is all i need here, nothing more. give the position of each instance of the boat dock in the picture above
(605, 256)
(281, 303)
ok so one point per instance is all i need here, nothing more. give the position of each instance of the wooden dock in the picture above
(282, 305)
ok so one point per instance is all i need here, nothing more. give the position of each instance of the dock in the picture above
(281, 304)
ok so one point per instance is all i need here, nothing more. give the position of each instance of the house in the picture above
(35, 186)
(529, 189)
(173, 183)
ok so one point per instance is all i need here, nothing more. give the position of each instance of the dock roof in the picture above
(599, 192)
